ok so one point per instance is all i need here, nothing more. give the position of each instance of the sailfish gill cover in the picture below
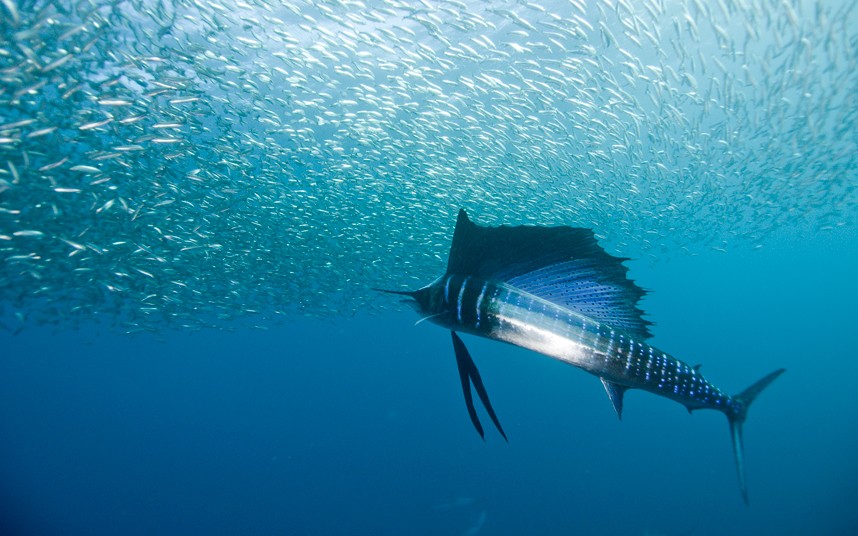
(181, 165)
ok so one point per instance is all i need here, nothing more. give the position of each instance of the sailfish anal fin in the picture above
(468, 374)
(615, 393)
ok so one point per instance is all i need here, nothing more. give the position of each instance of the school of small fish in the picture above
(186, 163)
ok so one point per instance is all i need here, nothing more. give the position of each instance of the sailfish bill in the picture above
(555, 291)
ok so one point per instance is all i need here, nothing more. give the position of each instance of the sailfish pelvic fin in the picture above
(469, 374)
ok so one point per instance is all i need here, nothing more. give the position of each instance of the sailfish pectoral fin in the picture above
(469, 374)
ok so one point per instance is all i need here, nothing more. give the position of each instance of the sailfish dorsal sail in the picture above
(564, 265)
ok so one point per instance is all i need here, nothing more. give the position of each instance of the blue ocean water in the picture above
(357, 426)
(196, 199)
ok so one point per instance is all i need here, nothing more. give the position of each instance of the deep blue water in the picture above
(357, 426)
(171, 165)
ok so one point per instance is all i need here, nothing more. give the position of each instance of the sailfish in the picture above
(556, 291)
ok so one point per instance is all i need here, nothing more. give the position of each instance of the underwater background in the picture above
(196, 199)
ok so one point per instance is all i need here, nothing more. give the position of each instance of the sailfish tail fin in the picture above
(736, 416)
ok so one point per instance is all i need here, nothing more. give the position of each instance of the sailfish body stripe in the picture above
(459, 299)
(480, 303)
(447, 288)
